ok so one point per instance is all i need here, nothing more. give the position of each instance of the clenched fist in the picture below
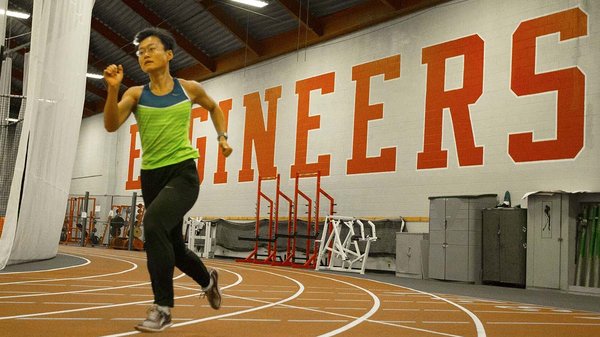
(113, 75)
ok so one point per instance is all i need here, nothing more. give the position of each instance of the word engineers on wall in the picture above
(567, 83)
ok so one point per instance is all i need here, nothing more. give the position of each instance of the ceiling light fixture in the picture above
(14, 14)
(254, 3)
(96, 76)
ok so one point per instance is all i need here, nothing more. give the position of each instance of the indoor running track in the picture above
(109, 293)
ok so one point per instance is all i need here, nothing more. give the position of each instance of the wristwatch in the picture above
(224, 134)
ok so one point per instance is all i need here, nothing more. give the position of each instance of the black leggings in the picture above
(169, 193)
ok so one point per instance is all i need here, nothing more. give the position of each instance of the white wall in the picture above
(404, 191)
(96, 161)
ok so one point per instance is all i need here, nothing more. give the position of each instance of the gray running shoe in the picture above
(156, 321)
(213, 294)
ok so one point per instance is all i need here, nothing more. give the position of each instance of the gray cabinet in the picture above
(455, 236)
(504, 245)
(412, 254)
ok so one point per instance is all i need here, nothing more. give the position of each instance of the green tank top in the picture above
(164, 124)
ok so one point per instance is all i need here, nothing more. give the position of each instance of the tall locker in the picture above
(455, 236)
(504, 245)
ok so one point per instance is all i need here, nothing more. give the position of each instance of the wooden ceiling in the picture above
(281, 27)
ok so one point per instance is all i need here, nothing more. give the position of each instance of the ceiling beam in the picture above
(95, 107)
(116, 39)
(334, 25)
(205, 61)
(230, 24)
(300, 13)
(90, 87)
(393, 4)
(90, 109)
(101, 65)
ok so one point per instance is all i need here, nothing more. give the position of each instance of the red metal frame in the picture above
(311, 257)
(273, 222)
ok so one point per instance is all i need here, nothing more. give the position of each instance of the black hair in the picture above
(163, 35)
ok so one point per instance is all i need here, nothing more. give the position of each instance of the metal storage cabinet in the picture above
(455, 236)
(504, 249)
(412, 254)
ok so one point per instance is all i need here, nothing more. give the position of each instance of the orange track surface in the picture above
(108, 296)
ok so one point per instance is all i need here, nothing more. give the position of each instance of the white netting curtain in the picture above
(55, 97)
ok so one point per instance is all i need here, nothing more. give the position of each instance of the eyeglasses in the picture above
(149, 51)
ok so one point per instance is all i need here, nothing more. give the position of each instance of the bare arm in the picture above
(199, 96)
(116, 112)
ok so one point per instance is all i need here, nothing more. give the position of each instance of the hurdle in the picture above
(344, 253)
(311, 256)
(273, 231)
(200, 236)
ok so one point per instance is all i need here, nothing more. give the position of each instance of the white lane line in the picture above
(278, 291)
(444, 322)
(398, 301)
(400, 309)
(357, 320)
(60, 319)
(230, 306)
(46, 285)
(512, 312)
(138, 319)
(388, 323)
(265, 298)
(268, 305)
(76, 303)
(85, 286)
(343, 308)
(16, 302)
(317, 320)
(368, 320)
(588, 317)
(133, 267)
(250, 319)
(103, 306)
(544, 323)
(478, 324)
(244, 291)
(53, 269)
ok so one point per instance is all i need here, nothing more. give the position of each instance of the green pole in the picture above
(597, 248)
(596, 233)
(591, 240)
(582, 245)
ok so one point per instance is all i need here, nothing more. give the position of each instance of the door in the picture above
(437, 234)
(491, 245)
(513, 252)
(546, 225)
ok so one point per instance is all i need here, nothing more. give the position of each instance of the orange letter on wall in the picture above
(364, 112)
(569, 83)
(199, 112)
(220, 177)
(456, 100)
(306, 122)
(131, 184)
(263, 138)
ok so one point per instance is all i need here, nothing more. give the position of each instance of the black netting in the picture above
(12, 110)
(237, 236)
